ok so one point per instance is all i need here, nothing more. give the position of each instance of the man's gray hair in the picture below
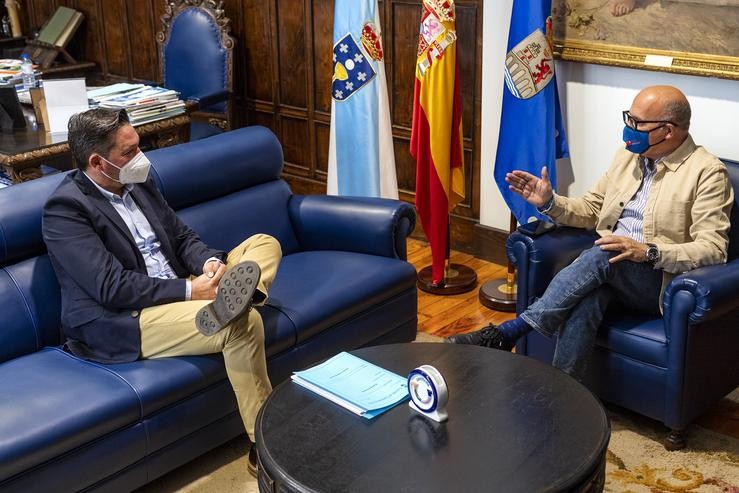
(678, 112)
(93, 132)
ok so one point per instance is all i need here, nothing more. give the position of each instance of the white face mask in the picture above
(134, 171)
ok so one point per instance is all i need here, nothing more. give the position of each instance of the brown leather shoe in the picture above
(252, 463)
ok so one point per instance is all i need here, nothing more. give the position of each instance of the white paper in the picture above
(64, 98)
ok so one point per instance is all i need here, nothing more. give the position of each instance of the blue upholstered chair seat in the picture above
(342, 285)
(640, 337)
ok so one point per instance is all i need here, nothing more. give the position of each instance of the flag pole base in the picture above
(497, 295)
(459, 279)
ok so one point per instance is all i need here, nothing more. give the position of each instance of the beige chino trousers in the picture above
(170, 330)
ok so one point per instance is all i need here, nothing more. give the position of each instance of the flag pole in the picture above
(458, 278)
(500, 294)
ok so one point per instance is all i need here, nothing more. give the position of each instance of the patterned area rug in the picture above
(636, 460)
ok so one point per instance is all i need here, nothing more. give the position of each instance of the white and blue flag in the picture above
(361, 158)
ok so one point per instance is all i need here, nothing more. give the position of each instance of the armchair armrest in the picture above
(703, 294)
(363, 225)
(539, 258)
(198, 102)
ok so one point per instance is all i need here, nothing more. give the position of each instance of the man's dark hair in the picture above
(93, 132)
(679, 113)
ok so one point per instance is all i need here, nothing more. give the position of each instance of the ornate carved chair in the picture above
(670, 368)
(196, 52)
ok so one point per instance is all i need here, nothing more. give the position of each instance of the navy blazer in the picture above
(101, 272)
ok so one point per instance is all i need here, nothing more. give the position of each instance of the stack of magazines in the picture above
(143, 103)
(355, 384)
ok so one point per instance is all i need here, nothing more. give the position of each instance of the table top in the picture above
(515, 424)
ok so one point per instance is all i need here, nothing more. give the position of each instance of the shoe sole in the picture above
(235, 291)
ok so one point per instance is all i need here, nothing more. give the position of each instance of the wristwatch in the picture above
(652, 253)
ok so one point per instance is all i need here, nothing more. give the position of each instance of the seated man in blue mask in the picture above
(661, 209)
(137, 282)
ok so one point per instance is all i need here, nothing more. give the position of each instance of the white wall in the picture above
(592, 98)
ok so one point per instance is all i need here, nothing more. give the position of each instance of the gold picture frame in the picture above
(582, 29)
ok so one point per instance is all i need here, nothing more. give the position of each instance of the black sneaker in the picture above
(490, 337)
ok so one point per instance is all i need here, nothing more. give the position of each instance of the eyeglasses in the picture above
(634, 123)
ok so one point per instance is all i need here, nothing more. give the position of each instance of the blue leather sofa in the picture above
(67, 424)
(670, 368)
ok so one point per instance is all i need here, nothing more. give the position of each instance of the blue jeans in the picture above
(573, 305)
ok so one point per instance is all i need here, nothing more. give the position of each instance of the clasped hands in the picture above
(538, 191)
(205, 286)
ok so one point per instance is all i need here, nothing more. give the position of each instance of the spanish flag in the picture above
(436, 137)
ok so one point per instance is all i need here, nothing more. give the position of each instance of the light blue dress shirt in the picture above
(157, 264)
(631, 222)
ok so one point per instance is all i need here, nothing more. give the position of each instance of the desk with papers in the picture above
(25, 150)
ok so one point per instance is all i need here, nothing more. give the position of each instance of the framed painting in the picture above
(697, 37)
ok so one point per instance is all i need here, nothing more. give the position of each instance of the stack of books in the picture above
(143, 103)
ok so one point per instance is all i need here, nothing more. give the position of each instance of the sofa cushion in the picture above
(227, 221)
(226, 152)
(319, 289)
(53, 402)
(641, 337)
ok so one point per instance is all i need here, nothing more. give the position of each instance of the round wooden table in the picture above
(515, 424)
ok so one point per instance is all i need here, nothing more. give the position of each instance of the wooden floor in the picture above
(447, 315)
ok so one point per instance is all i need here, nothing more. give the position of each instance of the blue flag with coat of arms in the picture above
(361, 155)
(531, 130)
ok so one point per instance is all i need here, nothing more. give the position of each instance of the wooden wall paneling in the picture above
(142, 29)
(322, 37)
(115, 36)
(293, 64)
(87, 44)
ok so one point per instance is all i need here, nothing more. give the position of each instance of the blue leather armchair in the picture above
(670, 368)
(196, 53)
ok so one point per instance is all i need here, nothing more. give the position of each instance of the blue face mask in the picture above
(637, 141)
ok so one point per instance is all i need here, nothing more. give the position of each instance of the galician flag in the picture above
(436, 138)
(361, 159)
(531, 131)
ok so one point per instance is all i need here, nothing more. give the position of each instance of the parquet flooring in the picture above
(447, 315)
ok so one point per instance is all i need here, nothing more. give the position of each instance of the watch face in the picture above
(652, 253)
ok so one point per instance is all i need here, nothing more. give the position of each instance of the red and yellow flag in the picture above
(436, 138)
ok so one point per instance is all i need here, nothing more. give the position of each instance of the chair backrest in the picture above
(196, 49)
(733, 167)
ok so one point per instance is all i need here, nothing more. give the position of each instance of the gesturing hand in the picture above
(630, 249)
(536, 191)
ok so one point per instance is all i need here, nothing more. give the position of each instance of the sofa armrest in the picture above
(702, 294)
(364, 225)
(539, 258)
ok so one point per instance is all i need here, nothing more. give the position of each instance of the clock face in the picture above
(421, 391)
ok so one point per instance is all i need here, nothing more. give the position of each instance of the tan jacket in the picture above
(687, 212)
